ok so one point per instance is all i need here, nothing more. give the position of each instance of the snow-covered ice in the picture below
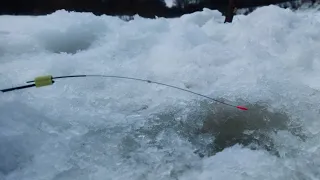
(94, 128)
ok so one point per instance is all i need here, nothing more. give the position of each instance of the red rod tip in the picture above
(242, 108)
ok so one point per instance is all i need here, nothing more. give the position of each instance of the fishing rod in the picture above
(49, 80)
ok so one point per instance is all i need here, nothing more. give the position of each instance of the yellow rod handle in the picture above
(43, 81)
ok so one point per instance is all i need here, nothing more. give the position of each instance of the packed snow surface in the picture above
(104, 128)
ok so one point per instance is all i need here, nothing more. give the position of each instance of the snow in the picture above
(95, 128)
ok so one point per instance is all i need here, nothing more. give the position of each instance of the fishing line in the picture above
(49, 80)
